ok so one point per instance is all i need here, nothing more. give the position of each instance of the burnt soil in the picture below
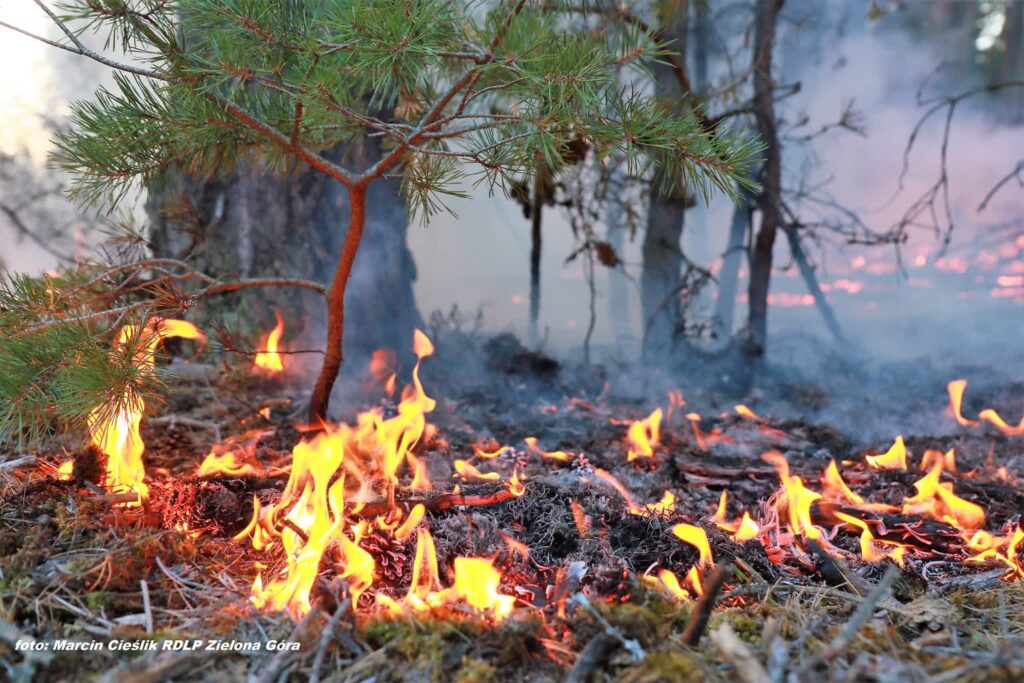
(75, 566)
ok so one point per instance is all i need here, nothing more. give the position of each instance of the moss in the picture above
(96, 600)
(475, 670)
(664, 665)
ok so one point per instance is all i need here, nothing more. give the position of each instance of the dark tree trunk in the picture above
(771, 178)
(811, 280)
(662, 256)
(536, 217)
(251, 223)
(732, 258)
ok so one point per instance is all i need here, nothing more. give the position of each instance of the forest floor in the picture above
(75, 566)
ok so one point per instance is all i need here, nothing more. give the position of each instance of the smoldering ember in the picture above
(425, 340)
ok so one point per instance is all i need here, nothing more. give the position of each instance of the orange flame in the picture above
(269, 359)
(836, 488)
(643, 436)
(561, 456)
(956, 390)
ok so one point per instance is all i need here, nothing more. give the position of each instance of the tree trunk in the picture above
(697, 237)
(811, 281)
(251, 223)
(771, 179)
(662, 257)
(333, 353)
(536, 216)
(732, 258)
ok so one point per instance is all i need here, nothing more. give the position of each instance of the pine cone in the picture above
(388, 554)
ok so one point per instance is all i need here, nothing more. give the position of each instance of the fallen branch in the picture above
(594, 656)
(17, 462)
(736, 652)
(702, 609)
(325, 640)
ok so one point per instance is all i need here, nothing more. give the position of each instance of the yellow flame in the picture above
(698, 538)
(270, 359)
(643, 436)
(937, 500)
(893, 459)
(225, 463)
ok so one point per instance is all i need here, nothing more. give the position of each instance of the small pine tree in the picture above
(475, 93)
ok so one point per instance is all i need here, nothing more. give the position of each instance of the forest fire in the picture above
(351, 487)
(626, 201)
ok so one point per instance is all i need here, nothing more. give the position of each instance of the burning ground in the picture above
(530, 525)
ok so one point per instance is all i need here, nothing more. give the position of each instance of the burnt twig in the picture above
(702, 609)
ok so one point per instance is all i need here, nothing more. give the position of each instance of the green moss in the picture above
(476, 671)
(96, 600)
(664, 665)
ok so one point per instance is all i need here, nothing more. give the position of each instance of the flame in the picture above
(747, 529)
(487, 455)
(644, 435)
(993, 418)
(893, 459)
(65, 471)
(956, 397)
(794, 499)
(515, 486)
(666, 505)
(116, 431)
(467, 471)
(937, 500)
(269, 359)
(675, 402)
(381, 370)
(747, 414)
(868, 551)
(698, 538)
(670, 583)
(476, 584)
(956, 391)
(346, 463)
(561, 456)
(743, 530)
(932, 457)
(226, 463)
(836, 488)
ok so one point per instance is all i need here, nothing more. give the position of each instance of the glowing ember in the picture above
(270, 359)
(643, 436)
